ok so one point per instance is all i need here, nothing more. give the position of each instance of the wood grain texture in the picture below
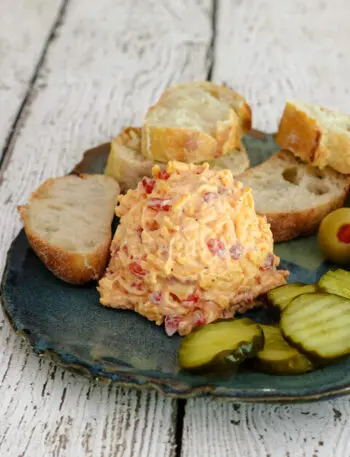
(297, 50)
(109, 60)
(243, 430)
(269, 53)
(24, 28)
(46, 411)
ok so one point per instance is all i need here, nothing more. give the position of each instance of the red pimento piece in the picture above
(344, 234)
(155, 297)
(159, 204)
(199, 171)
(269, 262)
(174, 297)
(209, 196)
(249, 298)
(216, 247)
(137, 270)
(163, 174)
(152, 225)
(236, 251)
(125, 249)
(171, 324)
(148, 184)
(137, 285)
(139, 231)
(192, 299)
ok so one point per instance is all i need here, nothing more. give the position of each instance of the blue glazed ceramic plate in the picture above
(68, 323)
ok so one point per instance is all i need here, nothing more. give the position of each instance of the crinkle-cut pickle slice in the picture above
(220, 346)
(281, 296)
(336, 282)
(278, 356)
(319, 325)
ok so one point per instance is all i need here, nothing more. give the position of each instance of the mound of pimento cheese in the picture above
(189, 249)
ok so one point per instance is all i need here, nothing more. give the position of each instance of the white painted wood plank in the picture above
(295, 49)
(269, 53)
(48, 412)
(24, 28)
(110, 60)
(216, 428)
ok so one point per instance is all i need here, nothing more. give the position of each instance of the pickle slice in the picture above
(220, 346)
(319, 325)
(336, 282)
(279, 357)
(280, 297)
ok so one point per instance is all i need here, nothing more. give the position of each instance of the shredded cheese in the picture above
(189, 247)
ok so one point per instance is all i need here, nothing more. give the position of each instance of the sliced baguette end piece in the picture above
(65, 257)
(317, 135)
(195, 122)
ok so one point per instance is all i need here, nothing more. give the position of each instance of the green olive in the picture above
(334, 236)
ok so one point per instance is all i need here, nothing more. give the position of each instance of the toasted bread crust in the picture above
(121, 164)
(304, 136)
(163, 143)
(126, 136)
(129, 169)
(71, 267)
(287, 226)
(339, 152)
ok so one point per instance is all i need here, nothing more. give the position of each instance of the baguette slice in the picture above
(68, 224)
(237, 162)
(294, 196)
(317, 135)
(128, 166)
(195, 122)
(125, 162)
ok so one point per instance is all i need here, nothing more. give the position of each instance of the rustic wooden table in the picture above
(72, 73)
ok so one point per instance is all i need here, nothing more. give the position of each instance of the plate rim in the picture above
(146, 379)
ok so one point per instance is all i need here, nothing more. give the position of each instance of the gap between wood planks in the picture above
(211, 49)
(181, 404)
(5, 158)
